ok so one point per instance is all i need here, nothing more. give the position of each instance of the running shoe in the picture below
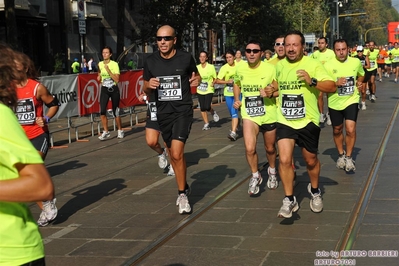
(322, 118)
(184, 205)
(364, 106)
(272, 182)
(373, 98)
(328, 119)
(254, 183)
(396, 80)
(215, 116)
(367, 92)
(187, 191)
(162, 161)
(232, 136)
(316, 202)
(349, 164)
(206, 127)
(105, 135)
(171, 171)
(48, 213)
(380, 80)
(341, 161)
(288, 208)
(121, 134)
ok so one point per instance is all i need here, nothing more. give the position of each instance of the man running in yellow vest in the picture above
(373, 55)
(394, 53)
(343, 104)
(323, 55)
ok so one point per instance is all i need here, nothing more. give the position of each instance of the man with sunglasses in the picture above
(300, 79)
(256, 82)
(169, 74)
(279, 50)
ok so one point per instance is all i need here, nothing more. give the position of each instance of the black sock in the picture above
(182, 192)
(314, 190)
(291, 198)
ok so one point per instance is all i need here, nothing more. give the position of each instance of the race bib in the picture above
(363, 62)
(170, 88)
(230, 87)
(396, 58)
(255, 106)
(203, 86)
(108, 82)
(26, 112)
(348, 88)
(153, 111)
(293, 106)
(372, 64)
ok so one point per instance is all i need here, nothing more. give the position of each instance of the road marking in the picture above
(221, 150)
(147, 188)
(61, 233)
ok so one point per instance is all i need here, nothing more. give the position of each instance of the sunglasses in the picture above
(255, 51)
(165, 38)
(359, 51)
(279, 44)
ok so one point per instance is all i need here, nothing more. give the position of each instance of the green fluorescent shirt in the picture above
(250, 82)
(297, 101)
(373, 55)
(395, 55)
(113, 67)
(348, 94)
(324, 57)
(20, 240)
(227, 72)
(208, 74)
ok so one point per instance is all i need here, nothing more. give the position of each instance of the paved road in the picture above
(114, 201)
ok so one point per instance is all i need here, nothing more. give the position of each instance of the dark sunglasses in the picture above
(359, 51)
(279, 44)
(255, 51)
(165, 38)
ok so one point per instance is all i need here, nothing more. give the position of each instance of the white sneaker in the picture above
(322, 118)
(364, 106)
(254, 182)
(171, 171)
(184, 205)
(328, 119)
(288, 208)
(367, 92)
(373, 98)
(232, 136)
(49, 212)
(272, 182)
(349, 164)
(206, 127)
(316, 201)
(341, 161)
(162, 161)
(105, 135)
(215, 116)
(121, 134)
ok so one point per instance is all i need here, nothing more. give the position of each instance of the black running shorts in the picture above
(307, 137)
(349, 113)
(175, 125)
(41, 143)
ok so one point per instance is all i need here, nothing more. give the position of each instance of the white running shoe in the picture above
(206, 127)
(105, 135)
(322, 118)
(184, 205)
(121, 134)
(349, 164)
(316, 201)
(162, 161)
(367, 92)
(171, 171)
(364, 106)
(232, 136)
(328, 119)
(49, 212)
(341, 161)
(215, 116)
(254, 183)
(288, 208)
(272, 182)
(373, 98)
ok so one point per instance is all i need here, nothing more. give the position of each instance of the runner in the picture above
(323, 54)
(364, 60)
(170, 73)
(343, 103)
(206, 90)
(256, 81)
(381, 62)
(226, 76)
(372, 54)
(300, 79)
(395, 60)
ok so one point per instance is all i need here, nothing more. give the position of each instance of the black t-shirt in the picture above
(178, 70)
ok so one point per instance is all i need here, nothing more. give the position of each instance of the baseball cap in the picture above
(359, 48)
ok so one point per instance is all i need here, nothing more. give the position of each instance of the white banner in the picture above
(65, 88)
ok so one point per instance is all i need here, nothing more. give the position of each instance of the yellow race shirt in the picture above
(254, 107)
(208, 74)
(297, 101)
(106, 79)
(323, 57)
(395, 55)
(20, 240)
(373, 55)
(349, 93)
(227, 72)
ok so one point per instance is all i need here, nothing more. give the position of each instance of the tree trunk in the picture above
(11, 23)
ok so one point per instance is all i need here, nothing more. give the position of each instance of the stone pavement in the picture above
(114, 201)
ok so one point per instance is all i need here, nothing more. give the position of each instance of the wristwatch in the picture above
(313, 82)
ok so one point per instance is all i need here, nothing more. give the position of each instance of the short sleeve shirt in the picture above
(106, 79)
(208, 74)
(227, 72)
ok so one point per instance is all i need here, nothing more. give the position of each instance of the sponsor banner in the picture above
(64, 87)
(130, 87)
